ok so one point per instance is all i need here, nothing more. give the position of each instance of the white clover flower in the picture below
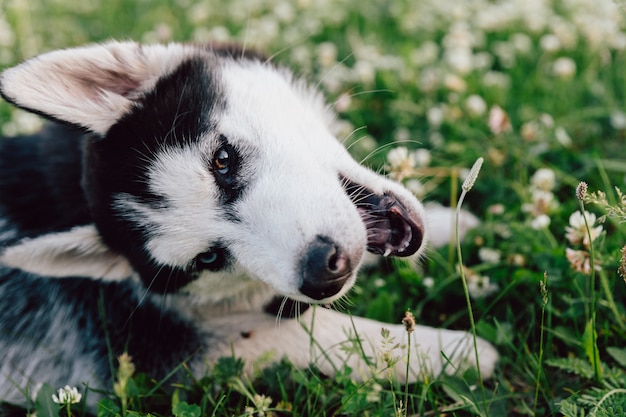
(460, 60)
(547, 120)
(343, 102)
(454, 83)
(401, 163)
(565, 32)
(505, 53)
(479, 286)
(482, 61)
(496, 209)
(436, 139)
(618, 120)
(561, 136)
(580, 261)
(542, 202)
(489, 255)
(498, 121)
(521, 43)
(400, 156)
(428, 282)
(530, 131)
(475, 105)
(550, 43)
(540, 222)
(422, 157)
(564, 68)
(67, 395)
(576, 232)
(517, 259)
(426, 54)
(402, 134)
(429, 79)
(364, 71)
(435, 116)
(496, 79)
(284, 11)
(416, 187)
(544, 179)
(373, 394)
(327, 54)
(459, 37)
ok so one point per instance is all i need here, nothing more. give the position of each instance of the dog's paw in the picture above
(370, 348)
(433, 352)
(452, 352)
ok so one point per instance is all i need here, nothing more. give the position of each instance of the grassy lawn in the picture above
(423, 89)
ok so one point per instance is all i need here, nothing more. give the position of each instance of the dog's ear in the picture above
(78, 252)
(91, 86)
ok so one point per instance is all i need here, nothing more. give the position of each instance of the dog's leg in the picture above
(339, 339)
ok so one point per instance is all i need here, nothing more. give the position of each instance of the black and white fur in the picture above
(184, 189)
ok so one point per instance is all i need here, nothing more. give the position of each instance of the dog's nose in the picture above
(325, 269)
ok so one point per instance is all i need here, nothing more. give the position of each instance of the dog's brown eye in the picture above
(222, 161)
(224, 166)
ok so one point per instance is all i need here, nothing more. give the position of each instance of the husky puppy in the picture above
(185, 197)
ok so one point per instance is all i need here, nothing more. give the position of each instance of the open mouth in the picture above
(391, 229)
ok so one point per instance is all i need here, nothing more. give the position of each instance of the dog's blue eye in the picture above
(214, 259)
(207, 258)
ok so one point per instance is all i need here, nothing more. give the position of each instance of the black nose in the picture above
(325, 269)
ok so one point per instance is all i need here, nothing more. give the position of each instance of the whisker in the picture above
(359, 93)
(244, 43)
(280, 311)
(288, 47)
(334, 67)
(349, 135)
(143, 296)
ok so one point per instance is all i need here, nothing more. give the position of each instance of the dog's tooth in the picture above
(387, 252)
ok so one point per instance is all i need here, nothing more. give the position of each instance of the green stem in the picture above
(592, 296)
(406, 380)
(469, 302)
(544, 296)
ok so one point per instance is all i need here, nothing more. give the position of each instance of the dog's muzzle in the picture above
(391, 228)
(325, 268)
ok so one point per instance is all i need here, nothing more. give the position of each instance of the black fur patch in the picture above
(40, 189)
(92, 313)
(180, 109)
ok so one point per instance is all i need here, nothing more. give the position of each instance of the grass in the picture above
(536, 89)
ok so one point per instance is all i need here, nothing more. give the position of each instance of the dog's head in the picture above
(206, 165)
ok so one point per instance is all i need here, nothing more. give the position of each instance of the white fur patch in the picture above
(76, 253)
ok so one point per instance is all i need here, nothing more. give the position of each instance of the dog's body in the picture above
(186, 189)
